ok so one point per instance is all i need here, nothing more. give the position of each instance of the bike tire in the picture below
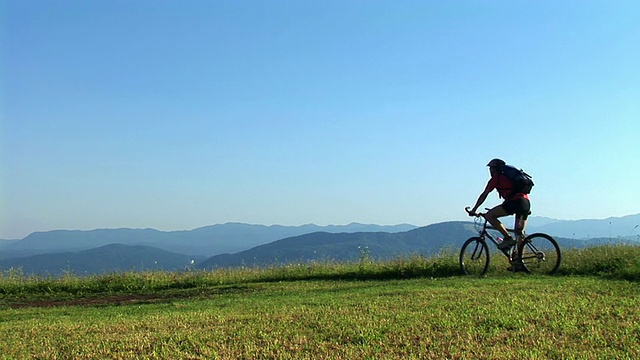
(474, 257)
(541, 254)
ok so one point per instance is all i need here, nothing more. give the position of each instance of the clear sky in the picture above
(180, 114)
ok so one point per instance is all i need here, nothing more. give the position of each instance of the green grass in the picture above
(407, 308)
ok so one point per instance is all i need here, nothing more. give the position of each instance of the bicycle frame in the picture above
(484, 234)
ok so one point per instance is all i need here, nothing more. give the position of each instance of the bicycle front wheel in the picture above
(474, 257)
(541, 254)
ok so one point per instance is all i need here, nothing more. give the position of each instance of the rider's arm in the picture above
(489, 188)
(481, 199)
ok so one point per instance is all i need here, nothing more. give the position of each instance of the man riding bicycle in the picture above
(514, 203)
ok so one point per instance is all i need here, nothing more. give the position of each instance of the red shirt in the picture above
(503, 185)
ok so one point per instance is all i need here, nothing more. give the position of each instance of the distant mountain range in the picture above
(204, 241)
(425, 241)
(613, 227)
(105, 259)
(236, 244)
(322, 246)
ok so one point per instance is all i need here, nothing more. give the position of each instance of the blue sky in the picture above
(180, 114)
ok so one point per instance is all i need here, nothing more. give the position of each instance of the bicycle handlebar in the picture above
(477, 215)
(468, 210)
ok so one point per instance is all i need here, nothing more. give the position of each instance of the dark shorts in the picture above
(519, 206)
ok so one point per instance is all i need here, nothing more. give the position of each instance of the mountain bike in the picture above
(536, 253)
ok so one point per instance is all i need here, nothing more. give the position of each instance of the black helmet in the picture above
(496, 163)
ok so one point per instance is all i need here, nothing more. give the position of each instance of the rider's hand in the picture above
(470, 212)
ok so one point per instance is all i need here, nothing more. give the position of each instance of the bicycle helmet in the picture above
(496, 163)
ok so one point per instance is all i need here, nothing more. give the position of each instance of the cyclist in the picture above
(517, 203)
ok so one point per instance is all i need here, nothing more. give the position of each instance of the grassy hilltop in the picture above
(406, 308)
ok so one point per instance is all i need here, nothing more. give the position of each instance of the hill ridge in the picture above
(208, 240)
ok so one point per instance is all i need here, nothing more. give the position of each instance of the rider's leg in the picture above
(519, 225)
(492, 217)
(522, 213)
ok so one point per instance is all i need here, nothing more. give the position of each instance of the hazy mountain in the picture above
(537, 221)
(236, 237)
(613, 227)
(207, 241)
(320, 246)
(5, 243)
(109, 258)
(324, 246)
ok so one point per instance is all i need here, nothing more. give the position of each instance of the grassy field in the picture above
(409, 308)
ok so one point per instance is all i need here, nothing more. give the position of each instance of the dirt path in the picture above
(101, 301)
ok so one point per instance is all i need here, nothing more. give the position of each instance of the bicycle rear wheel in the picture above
(474, 257)
(541, 254)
